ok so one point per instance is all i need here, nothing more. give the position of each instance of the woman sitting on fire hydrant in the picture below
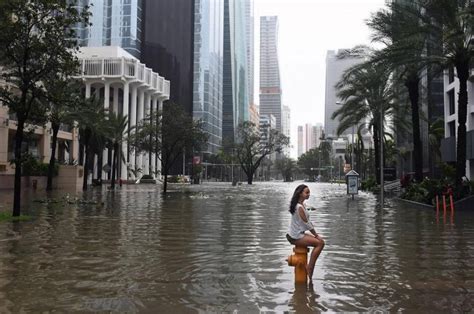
(299, 224)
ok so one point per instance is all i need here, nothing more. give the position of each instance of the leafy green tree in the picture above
(63, 97)
(310, 160)
(287, 168)
(36, 39)
(252, 147)
(168, 134)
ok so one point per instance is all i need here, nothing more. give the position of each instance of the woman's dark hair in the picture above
(296, 197)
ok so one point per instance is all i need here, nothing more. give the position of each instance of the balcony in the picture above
(125, 69)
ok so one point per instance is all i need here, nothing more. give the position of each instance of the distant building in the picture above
(267, 123)
(334, 69)
(114, 23)
(286, 126)
(270, 86)
(309, 137)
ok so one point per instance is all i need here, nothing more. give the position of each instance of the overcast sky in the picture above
(307, 29)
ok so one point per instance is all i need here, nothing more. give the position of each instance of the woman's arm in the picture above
(309, 225)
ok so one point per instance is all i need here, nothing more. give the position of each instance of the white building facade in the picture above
(127, 87)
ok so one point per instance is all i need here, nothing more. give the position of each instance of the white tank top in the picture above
(297, 225)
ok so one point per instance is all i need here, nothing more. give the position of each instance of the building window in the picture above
(451, 74)
(451, 102)
(452, 128)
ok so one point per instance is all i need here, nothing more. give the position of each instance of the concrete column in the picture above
(88, 90)
(158, 160)
(154, 106)
(133, 122)
(140, 110)
(74, 154)
(126, 95)
(146, 155)
(45, 144)
(106, 95)
(105, 153)
(116, 100)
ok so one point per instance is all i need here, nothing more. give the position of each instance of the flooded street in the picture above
(218, 248)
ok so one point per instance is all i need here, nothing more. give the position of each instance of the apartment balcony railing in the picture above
(123, 68)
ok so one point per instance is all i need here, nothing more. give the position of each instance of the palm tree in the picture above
(93, 126)
(365, 90)
(389, 27)
(448, 25)
(118, 127)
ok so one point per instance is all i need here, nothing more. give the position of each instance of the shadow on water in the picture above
(218, 248)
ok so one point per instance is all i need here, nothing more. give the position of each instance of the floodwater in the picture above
(218, 248)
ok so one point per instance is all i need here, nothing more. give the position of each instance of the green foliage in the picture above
(9, 217)
(287, 167)
(369, 185)
(168, 133)
(253, 146)
(311, 159)
(33, 167)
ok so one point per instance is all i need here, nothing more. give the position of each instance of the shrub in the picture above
(33, 167)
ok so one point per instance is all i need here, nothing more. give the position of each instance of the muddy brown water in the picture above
(218, 248)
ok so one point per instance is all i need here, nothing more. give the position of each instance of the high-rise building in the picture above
(184, 40)
(249, 30)
(309, 137)
(270, 89)
(301, 147)
(335, 67)
(114, 23)
(235, 84)
(208, 69)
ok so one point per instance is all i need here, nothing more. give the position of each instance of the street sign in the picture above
(196, 160)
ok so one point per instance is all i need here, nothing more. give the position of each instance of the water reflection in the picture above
(220, 248)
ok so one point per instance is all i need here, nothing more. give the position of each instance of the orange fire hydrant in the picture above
(299, 259)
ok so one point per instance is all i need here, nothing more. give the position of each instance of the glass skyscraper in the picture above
(236, 88)
(208, 56)
(114, 23)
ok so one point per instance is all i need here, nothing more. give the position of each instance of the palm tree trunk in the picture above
(52, 160)
(86, 160)
(412, 84)
(375, 137)
(100, 161)
(165, 181)
(463, 73)
(114, 165)
(17, 185)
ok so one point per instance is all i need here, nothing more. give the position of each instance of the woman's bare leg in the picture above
(318, 244)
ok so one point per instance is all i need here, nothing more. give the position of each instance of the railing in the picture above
(166, 90)
(122, 67)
